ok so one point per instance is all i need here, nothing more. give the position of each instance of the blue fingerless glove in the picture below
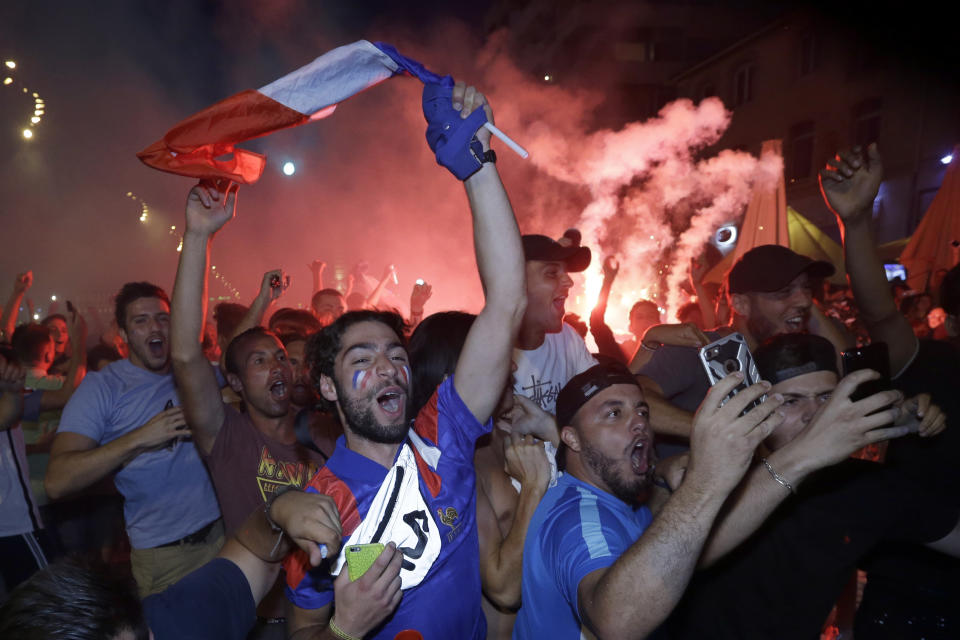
(451, 137)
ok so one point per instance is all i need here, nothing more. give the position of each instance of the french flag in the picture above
(204, 145)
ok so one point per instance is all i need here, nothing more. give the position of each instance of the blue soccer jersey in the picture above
(426, 504)
(575, 530)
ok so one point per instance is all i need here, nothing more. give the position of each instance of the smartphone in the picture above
(895, 271)
(728, 355)
(361, 557)
(873, 356)
(280, 283)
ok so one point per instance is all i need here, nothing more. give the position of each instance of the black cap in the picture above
(584, 386)
(537, 247)
(771, 267)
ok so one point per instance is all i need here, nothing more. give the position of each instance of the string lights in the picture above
(39, 104)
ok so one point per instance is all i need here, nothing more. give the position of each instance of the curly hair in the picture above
(323, 346)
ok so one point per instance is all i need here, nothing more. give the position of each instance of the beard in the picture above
(630, 490)
(359, 416)
(760, 328)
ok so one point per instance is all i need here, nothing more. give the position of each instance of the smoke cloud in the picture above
(366, 188)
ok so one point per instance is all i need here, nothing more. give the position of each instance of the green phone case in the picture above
(360, 557)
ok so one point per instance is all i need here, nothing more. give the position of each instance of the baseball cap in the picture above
(537, 247)
(584, 386)
(771, 267)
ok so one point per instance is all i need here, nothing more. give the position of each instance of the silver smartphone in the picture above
(728, 355)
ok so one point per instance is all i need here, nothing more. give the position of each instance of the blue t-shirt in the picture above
(214, 601)
(167, 493)
(441, 568)
(575, 530)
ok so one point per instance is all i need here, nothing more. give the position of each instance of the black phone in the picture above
(874, 356)
(70, 307)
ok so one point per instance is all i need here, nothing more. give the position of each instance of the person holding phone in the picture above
(412, 487)
(819, 512)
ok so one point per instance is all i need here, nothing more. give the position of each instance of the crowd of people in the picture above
(345, 472)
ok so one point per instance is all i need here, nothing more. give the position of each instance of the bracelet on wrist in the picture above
(269, 503)
(779, 478)
(340, 633)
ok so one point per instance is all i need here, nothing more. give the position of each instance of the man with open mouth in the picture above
(601, 557)
(549, 352)
(412, 487)
(127, 417)
(770, 293)
(253, 454)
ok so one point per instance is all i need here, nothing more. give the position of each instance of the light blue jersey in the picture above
(575, 530)
(167, 492)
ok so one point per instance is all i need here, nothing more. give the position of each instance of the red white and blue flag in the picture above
(204, 145)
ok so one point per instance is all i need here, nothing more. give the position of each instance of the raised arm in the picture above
(374, 298)
(501, 557)
(484, 363)
(8, 321)
(317, 267)
(698, 269)
(208, 209)
(655, 570)
(841, 427)
(76, 366)
(269, 292)
(606, 344)
(418, 299)
(849, 185)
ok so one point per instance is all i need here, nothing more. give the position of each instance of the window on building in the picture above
(809, 54)
(743, 85)
(800, 151)
(866, 121)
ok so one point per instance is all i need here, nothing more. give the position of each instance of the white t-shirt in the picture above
(542, 372)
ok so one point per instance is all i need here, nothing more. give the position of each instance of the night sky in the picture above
(116, 74)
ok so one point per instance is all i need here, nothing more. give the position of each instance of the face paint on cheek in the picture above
(405, 373)
(359, 379)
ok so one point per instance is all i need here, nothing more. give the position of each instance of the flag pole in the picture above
(507, 140)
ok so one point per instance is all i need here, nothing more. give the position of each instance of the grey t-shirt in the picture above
(680, 375)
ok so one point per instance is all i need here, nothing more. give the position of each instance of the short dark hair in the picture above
(688, 311)
(950, 292)
(77, 599)
(639, 304)
(792, 354)
(132, 291)
(101, 352)
(434, 349)
(28, 340)
(228, 316)
(307, 321)
(291, 336)
(324, 292)
(231, 363)
(323, 346)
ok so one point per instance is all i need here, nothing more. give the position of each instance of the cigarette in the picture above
(520, 151)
